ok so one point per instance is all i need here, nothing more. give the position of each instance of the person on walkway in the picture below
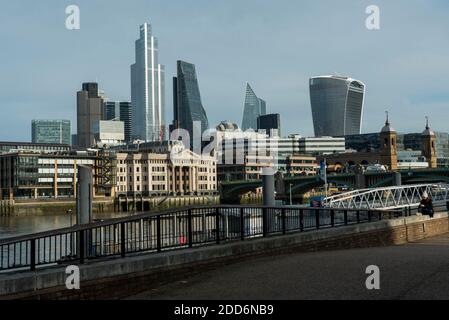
(426, 206)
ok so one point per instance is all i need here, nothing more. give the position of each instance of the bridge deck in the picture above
(413, 271)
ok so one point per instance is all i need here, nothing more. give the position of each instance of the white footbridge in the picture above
(389, 198)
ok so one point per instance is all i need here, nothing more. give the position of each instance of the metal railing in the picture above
(175, 229)
(388, 198)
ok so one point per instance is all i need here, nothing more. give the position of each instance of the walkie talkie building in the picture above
(337, 105)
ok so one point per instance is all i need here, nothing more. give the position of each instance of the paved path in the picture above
(413, 271)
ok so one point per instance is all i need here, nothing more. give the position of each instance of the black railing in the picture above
(174, 229)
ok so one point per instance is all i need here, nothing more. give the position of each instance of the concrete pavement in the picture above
(413, 271)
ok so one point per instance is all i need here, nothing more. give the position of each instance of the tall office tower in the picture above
(89, 111)
(187, 106)
(270, 123)
(120, 110)
(253, 108)
(337, 105)
(147, 89)
(51, 131)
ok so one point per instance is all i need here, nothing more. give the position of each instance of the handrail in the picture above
(173, 229)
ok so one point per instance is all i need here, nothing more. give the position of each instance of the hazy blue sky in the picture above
(275, 45)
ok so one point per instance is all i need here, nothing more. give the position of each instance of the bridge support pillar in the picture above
(360, 181)
(397, 179)
(84, 195)
(268, 187)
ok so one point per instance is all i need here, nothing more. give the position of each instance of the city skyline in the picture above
(382, 62)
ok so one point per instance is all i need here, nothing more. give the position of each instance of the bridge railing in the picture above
(175, 229)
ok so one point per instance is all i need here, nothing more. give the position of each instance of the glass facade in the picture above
(147, 89)
(253, 108)
(120, 110)
(337, 105)
(51, 131)
(270, 124)
(187, 105)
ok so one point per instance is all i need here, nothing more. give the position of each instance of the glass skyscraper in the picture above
(253, 108)
(120, 110)
(147, 89)
(337, 105)
(51, 131)
(187, 106)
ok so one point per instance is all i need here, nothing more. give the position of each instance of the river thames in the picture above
(16, 225)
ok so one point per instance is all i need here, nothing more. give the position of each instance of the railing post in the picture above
(332, 218)
(242, 224)
(82, 246)
(317, 218)
(189, 227)
(122, 240)
(217, 224)
(301, 219)
(33, 254)
(345, 214)
(264, 221)
(369, 215)
(158, 231)
(284, 229)
(358, 216)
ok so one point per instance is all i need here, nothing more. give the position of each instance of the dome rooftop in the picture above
(387, 127)
(227, 126)
(428, 131)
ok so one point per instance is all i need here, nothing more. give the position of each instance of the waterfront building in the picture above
(39, 175)
(170, 173)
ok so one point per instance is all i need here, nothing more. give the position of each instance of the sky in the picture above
(274, 45)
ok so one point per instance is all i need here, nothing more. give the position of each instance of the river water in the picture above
(11, 226)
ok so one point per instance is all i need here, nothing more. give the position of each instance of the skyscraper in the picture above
(51, 131)
(253, 108)
(337, 105)
(187, 106)
(120, 110)
(147, 89)
(89, 112)
(270, 123)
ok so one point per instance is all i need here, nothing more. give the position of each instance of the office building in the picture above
(147, 89)
(337, 105)
(51, 131)
(109, 132)
(11, 147)
(270, 124)
(188, 110)
(253, 108)
(166, 173)
(321, 145)
(89, 111)
(39, 175)
(122, 111)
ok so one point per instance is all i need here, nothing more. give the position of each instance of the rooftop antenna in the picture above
(387, 122)
(427, 122)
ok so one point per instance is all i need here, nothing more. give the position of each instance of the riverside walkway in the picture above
(417, 270)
